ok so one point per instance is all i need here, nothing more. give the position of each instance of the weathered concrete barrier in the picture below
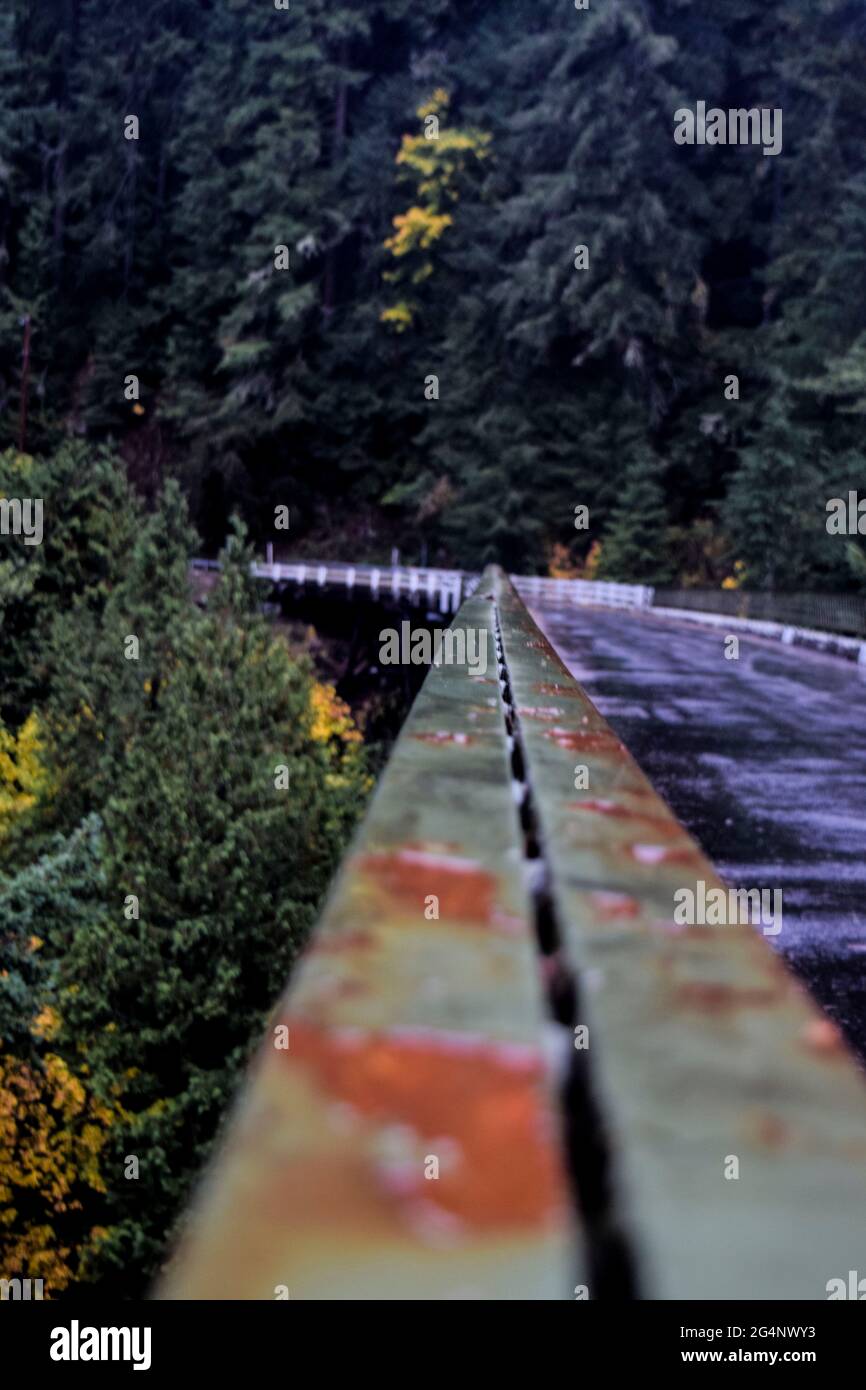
(413, 1046)
(503, 1069)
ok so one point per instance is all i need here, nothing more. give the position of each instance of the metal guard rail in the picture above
(577, 1069)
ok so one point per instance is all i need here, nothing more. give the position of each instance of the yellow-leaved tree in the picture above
(26, 781)
(52, 1132)
(333, 726)
(436, 162)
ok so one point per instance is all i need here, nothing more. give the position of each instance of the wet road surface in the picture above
(762, 758)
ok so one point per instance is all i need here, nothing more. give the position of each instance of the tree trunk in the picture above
(25, 385)
(340, 110)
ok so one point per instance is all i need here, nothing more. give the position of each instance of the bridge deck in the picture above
(551, 1034)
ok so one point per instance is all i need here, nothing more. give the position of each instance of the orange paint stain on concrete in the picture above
(716, 998)
(585, 740)
(822, 1035)
(480, 1100)
(664, 826)
(609, 905)
(443, 736)
(771, 1132)
(465, 890)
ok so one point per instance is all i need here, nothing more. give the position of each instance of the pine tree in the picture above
(222, 830)
(634, 547)
(89, 519)
(775, 508)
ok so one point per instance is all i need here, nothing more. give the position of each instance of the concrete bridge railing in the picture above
(504, 1068)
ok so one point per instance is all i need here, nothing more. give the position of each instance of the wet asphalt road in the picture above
(763, 759)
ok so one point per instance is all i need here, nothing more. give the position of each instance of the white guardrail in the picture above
(445, 589)
(582, 591)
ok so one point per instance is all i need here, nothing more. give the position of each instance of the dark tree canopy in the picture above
(261, 128)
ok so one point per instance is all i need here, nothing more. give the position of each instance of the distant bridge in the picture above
(825, 622)
(443, 588)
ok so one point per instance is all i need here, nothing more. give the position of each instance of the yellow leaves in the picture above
(415, 151)
(332, 717)
(332, 726)
(560, 564)
(36, 1251)
(25, 780)
(734, 581)
(436, 165)
(46, 1024)
(67, 1095)
(399, 316)
(593, 560)
(434, 105)
(52, 1134)
(436, 162)
(417, 229)
(87, 713)
(563, 565)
